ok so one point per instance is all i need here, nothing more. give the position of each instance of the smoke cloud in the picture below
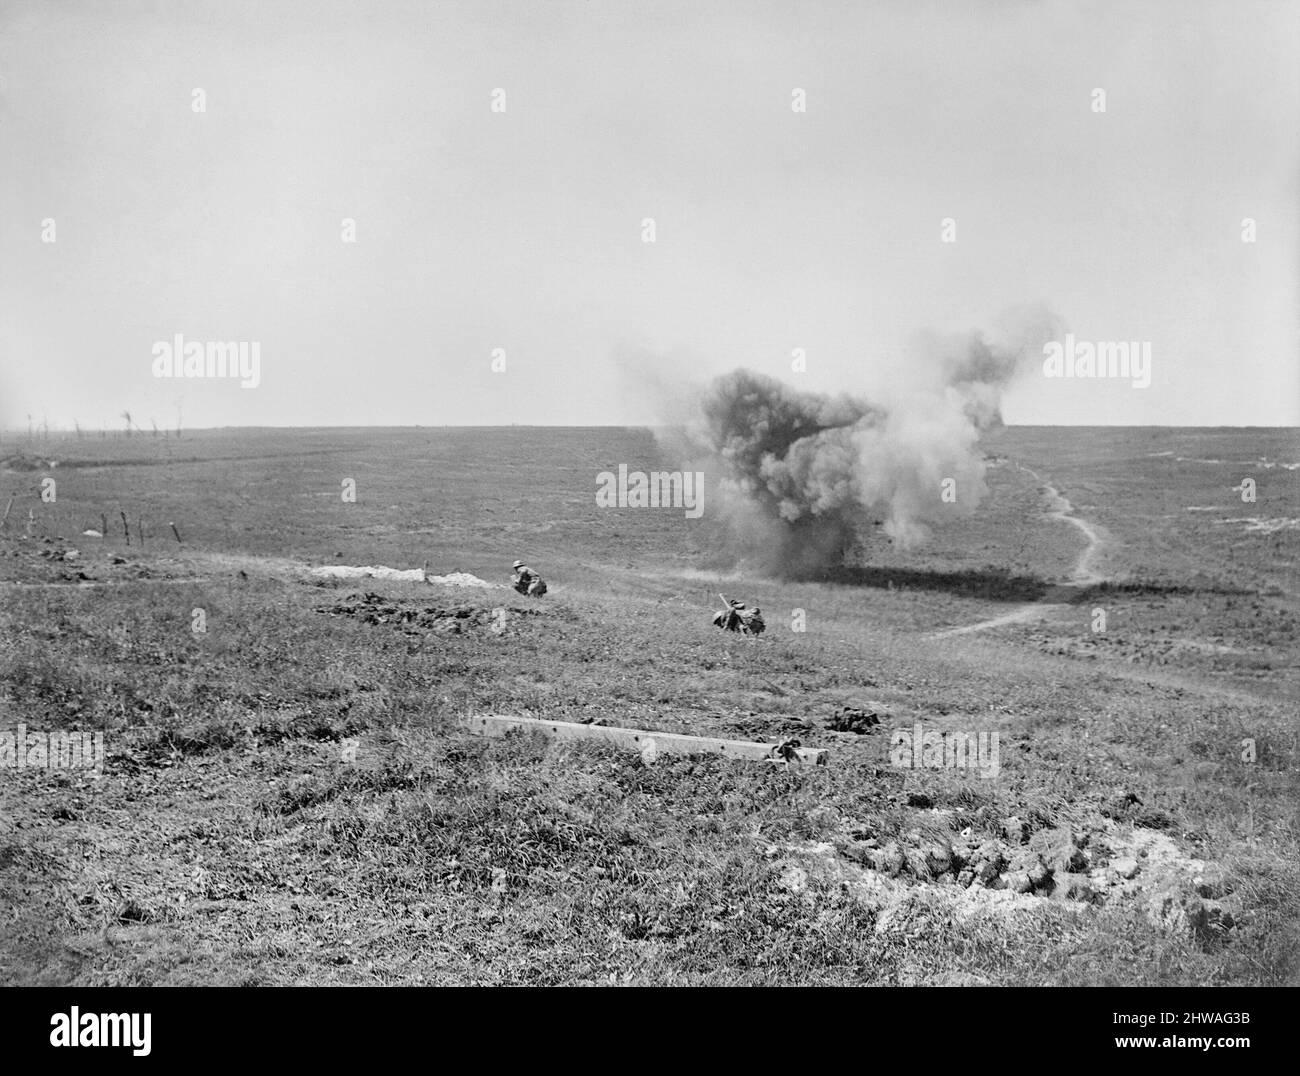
(806, 475)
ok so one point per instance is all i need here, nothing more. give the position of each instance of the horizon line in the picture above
(164, 433)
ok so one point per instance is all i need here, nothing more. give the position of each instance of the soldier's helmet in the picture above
(517, 564)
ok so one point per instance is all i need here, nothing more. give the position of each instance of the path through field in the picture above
(1083, 573)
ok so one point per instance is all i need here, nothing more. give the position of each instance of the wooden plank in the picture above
(635, 739)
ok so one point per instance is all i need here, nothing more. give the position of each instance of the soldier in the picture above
(739, 617)
(729, 618)
(527, 581)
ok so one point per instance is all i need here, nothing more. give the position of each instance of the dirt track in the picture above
(1083, 573)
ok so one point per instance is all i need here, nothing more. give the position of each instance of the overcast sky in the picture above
(522, 230)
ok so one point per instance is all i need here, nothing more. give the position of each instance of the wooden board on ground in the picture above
(636, 739)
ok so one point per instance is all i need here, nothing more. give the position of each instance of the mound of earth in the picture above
(1071, 868)
(415, 619)
(42, 561)
(463, 579)
(855, 719)
(411, 575)
(52, 562)
(21, 461)
(368, 571)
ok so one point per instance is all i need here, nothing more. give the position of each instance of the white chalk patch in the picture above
(462, 579)
(1263, 462)
(1266, 526)
(344, 571)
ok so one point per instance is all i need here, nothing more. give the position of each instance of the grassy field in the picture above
(287, 799)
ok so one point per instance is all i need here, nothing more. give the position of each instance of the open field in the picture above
(286, 797)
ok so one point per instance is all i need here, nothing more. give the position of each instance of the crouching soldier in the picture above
(740, 617)
(527, 581)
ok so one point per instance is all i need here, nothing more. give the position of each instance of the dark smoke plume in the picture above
(806, 475)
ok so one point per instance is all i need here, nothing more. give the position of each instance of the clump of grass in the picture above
(194, 734)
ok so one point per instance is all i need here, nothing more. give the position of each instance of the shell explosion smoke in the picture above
(807, 474)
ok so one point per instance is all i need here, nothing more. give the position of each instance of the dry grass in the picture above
(231, 840)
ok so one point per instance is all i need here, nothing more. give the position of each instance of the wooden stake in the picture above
(176, 532)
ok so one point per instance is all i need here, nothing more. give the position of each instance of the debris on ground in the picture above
(854, 719)
(59, 554)
(1060, 865)
(746, 619)
(415, 619)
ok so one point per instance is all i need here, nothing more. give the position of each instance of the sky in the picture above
(523, 229)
